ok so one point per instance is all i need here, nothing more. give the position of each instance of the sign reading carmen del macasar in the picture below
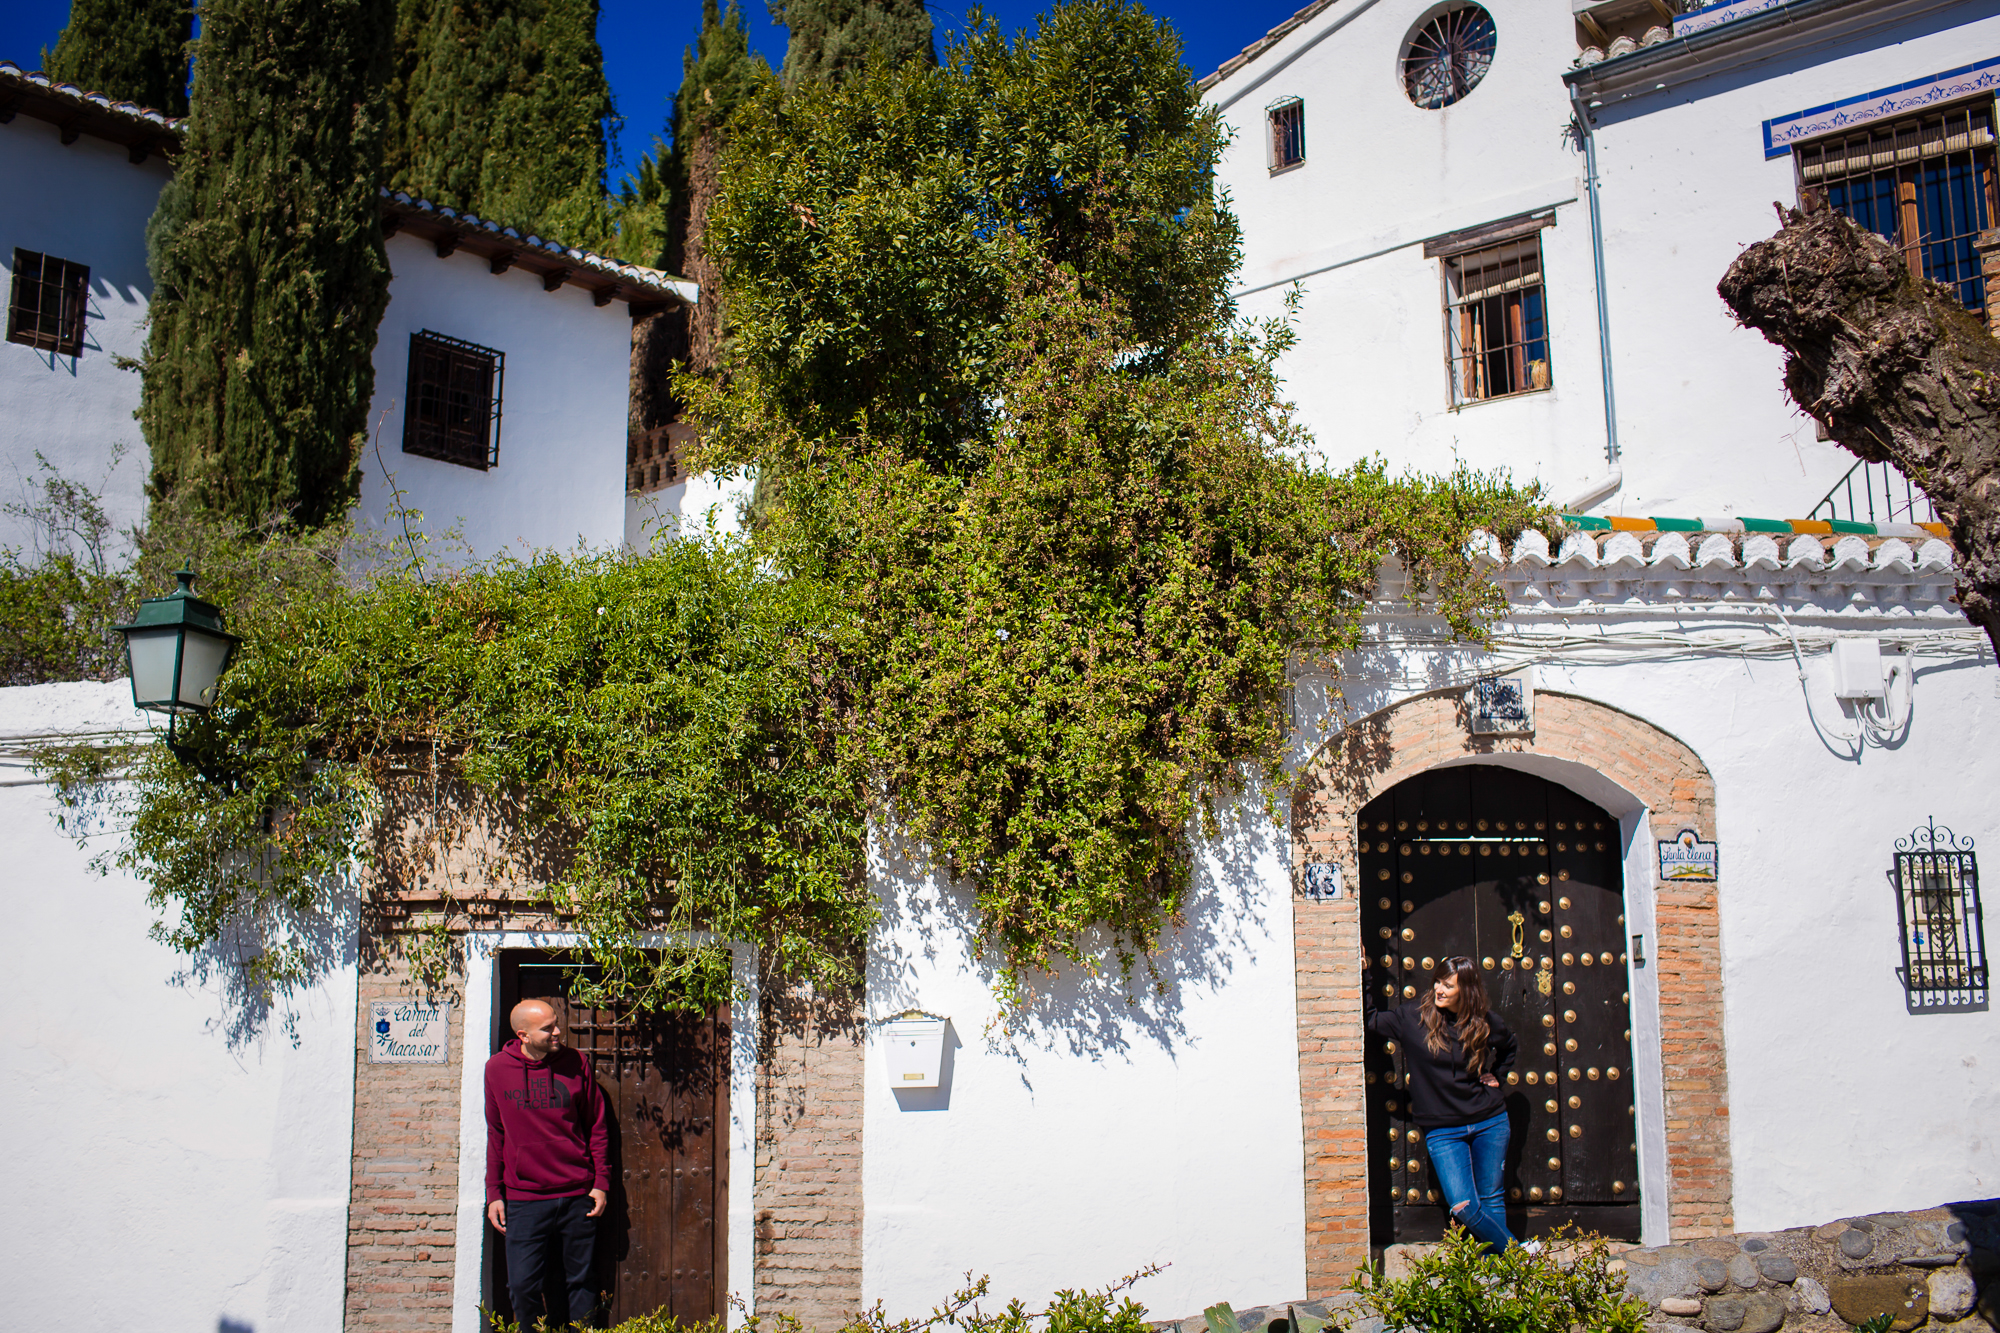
(409, 1032)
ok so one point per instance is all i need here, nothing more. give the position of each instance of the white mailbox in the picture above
(914, 1048)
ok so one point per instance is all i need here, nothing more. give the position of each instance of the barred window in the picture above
(1926, 183)
(1496, 322)
(45, 309)
(454, 401)
(1288, 134)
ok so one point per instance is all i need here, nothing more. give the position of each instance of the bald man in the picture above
(547, 1164)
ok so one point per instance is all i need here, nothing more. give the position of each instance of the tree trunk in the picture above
(1893, 367)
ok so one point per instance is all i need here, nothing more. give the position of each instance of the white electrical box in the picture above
(1857, 669)
(914, 1048)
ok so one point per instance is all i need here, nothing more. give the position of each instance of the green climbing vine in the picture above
(1041, 548)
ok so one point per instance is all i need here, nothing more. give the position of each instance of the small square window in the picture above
(1288, 134)
(453, 411)
(45, 309)
(1496, 321)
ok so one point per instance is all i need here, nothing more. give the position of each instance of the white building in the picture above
(84, 175)
(1705, 742)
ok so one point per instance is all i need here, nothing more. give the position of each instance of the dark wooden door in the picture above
(1523, 876)
(660, 1244)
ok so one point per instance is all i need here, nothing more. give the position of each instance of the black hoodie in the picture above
(1443, 1092)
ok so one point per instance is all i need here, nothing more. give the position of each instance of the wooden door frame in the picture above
(735, 1238)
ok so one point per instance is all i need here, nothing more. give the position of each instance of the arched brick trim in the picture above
(1373, 755)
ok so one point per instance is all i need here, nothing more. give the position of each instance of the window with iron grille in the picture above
(45, 309)
(1937, 907)
(1288, 134)
(1926, 183)
(454, 401)
(1496, 321)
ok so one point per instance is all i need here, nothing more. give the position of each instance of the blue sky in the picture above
(643, 41)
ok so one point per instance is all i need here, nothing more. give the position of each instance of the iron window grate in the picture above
(1937, 910)
(1926, 183)
(1496, 322)
(46, 306)
(453, 411)
(1448, 56)
(1288, 134)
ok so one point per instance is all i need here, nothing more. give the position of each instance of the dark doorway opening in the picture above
(1525, 877)
(661, 1243)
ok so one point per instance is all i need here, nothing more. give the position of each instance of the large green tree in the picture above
(981, 327)
(835, 39)
(268, 270)
(501, 107)
(134, 49)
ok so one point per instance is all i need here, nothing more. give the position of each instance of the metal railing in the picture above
(1875, 493)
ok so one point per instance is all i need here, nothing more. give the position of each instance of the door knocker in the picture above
(1542, 981)
(1518, 922)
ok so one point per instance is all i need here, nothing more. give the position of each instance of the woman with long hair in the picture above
(1456, 1050)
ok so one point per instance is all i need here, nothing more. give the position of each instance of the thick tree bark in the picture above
(1894, 368)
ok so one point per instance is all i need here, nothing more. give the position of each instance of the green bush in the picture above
(1462, 1288)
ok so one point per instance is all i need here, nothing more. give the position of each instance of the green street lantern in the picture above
(175, 652)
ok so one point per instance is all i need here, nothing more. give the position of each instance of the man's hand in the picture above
(596, 1204)
(496, 1213)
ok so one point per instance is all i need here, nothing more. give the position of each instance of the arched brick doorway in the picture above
(1656, 786)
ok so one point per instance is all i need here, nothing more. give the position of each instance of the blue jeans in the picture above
(1469, 1162)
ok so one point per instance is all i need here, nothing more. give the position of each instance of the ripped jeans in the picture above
(1469, 1162)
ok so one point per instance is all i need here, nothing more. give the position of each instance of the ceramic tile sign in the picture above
(1319, 881)
(408, 1032)
(1502, 705)
(1687, 858)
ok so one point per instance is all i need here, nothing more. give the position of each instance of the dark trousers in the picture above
(537, 1231)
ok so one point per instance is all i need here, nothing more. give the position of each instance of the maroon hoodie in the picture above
(545, 1126)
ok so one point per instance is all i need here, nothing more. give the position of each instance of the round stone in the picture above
(1743, 1271)
(1756, 1245)
(1856, 1244)
(1763, 1311)
(1952, 1293)
(1955, 1233)
(1711, 1273)
(1809, 1297)
(1777, 1267)
(1685, 1306)
(1725, 1314)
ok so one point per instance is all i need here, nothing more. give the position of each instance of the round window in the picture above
(1447, 55)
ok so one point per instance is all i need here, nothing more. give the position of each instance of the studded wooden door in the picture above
(1523, 876)
(660, 1244)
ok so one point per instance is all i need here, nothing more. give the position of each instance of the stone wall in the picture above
(1934, 1269)
(1371, 756)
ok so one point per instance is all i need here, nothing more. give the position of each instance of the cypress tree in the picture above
(832, 39)
(133, 49)
(268, 270)
(501, 108)
(718, 74)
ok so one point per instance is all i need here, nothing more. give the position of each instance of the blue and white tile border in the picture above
(1781, 132)
(1726, 11)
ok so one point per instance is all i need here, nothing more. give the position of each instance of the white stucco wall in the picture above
(1094, 1136)
(89, 204)
(165, 1177)
(560, 480)
(1369, 373)
(1706, 426)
